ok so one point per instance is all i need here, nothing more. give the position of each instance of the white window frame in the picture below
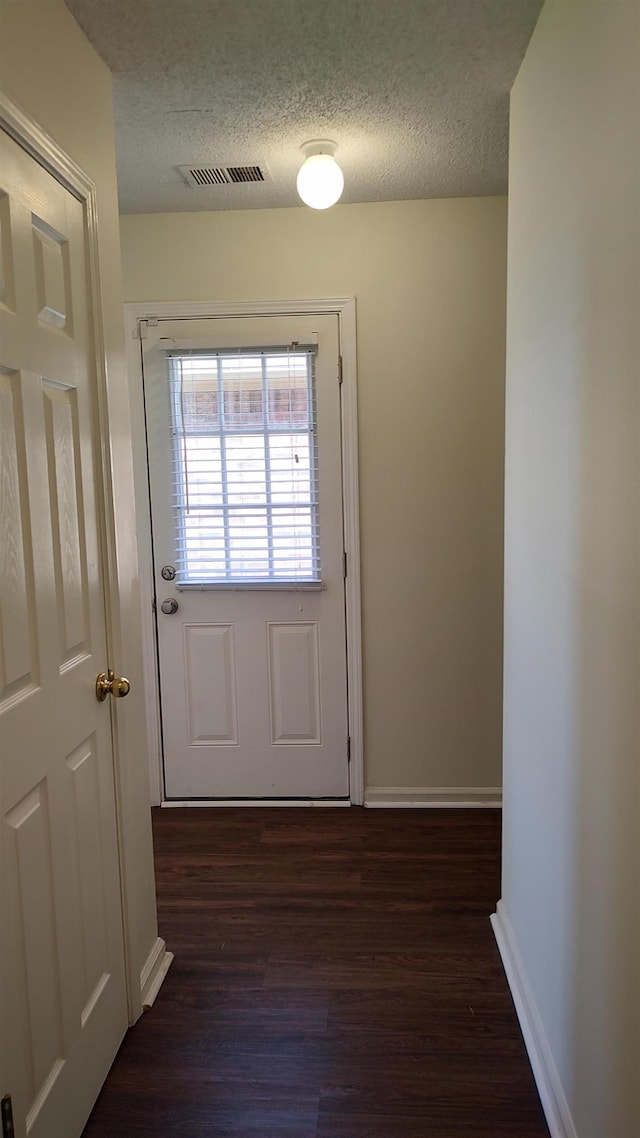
(223, 432)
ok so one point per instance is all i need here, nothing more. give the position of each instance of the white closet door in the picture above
(62, 980)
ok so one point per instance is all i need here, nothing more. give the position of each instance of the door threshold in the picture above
(170, 802)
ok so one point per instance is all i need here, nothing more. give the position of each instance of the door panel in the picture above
(211, 693)
(63, 989)
(253, 679)
(294, 682)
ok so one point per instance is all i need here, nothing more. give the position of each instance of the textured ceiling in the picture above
(414, 92)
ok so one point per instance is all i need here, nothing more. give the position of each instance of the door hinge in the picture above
(348, 748)
(6, 1113)
(340, 371)
(344, 564)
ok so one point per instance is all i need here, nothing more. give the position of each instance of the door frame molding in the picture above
(141, 984)
(345, 309)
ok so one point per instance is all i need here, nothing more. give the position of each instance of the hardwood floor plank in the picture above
(336, 976)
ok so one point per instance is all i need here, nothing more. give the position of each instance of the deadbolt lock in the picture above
(168, 573)
(107, 683)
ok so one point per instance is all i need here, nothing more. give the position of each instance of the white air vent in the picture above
(222, 175)
(245, 173)
(207, 175)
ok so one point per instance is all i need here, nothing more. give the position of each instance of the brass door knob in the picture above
(109, 684)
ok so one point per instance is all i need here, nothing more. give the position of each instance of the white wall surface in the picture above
(572, 570)
(49, 69)
(429, 279)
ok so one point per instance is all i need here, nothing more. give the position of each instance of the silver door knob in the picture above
(169, 606)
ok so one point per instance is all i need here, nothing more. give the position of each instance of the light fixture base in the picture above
(319, 146)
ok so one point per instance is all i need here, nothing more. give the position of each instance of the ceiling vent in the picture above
(206, 175)
(222, 175)
(245, 173)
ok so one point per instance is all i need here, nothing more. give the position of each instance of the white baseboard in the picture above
(545, 1072)
(156, 967)
(420, 797)
(271, 802)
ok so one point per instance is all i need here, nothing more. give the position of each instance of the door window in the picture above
(245, 468)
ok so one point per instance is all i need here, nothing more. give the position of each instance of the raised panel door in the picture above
(62, 980)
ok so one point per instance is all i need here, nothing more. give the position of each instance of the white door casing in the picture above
(64, 1000)
(253, 681)
(140, 318)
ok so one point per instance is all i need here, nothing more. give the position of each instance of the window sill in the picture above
(251, 586)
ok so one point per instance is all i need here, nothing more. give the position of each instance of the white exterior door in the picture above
(244, 439)
(62, 980)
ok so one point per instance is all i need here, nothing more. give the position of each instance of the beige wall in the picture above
(48, 68)
(429, 278)
(572, 635)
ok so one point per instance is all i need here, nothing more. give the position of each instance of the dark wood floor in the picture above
(335, 977)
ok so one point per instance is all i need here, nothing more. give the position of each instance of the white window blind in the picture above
(245, 469)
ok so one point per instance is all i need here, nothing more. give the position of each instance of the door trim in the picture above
(48, 154)
(345, 309)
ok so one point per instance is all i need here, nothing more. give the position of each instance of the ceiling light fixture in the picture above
(320, 181)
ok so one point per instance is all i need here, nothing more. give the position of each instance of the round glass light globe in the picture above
(320, 181)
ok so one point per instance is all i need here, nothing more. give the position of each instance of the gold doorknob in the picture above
(109, 684)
